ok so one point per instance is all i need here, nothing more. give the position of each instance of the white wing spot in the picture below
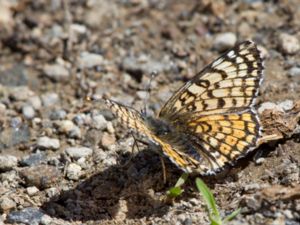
(231, 54)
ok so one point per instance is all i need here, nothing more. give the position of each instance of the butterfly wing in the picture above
(224, 138)
(229, 84)
(128, 117)
(215, 109)
(133, 120)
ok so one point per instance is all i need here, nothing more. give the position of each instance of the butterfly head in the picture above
(158, 126)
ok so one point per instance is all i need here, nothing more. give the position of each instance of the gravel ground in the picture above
(65, 160)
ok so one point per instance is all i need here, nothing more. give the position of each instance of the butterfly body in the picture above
(211, 120)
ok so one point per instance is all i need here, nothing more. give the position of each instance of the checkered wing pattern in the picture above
(133, 120)
(216, 108)
(129, 117)
(229, 84)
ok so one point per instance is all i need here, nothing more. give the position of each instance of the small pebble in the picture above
(268, 105)
(59, 114)
(260, 161)
(57, 72)
(89, 60)
(142, 94)
(48, 143)
(252, 203)
(7, 204)
(78, 28)
(30, 216)
(9, 176)
(50, 99)
(69, 128)
(46, 220)
(288, 213)
(83, 163)
(99, 122)
(288, 44)
(33, 159)
(20, 93)
(35, 102)
(16, 134)
(32, 190)
(16, 122)
(51, 192)
(73, 171)
(294, 71)
(110, 128)
(41, 176)
(80, 119)
(2, 109)
(224, 41)
(251, 187)
(137, 67)
(65, 126)
(7, 162)
(107, 140)
(28, 111)
(79, 152)
(286, 105)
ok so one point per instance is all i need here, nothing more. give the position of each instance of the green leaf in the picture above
(208, 197)
(232, 215)
(174, 192)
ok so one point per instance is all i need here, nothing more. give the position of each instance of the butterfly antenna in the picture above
(148, 89)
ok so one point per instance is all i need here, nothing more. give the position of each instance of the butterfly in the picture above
(211, 120)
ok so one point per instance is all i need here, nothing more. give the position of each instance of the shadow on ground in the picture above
(131, 192)
(116, 192)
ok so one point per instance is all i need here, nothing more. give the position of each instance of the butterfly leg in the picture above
(164, 171)
(135, 143)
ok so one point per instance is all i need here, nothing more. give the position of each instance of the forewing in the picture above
(224, 138)
(128, 117)
(133, 120)
(229, 84)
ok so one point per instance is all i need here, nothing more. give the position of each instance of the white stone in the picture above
(79, 152)
(289, 44)
(7, 204)
(20, 93)
(268, 105)
(35, 102)
(57, 72)
(46, 220)
(28, 111)
(69, 128)
(89, 60)
(99, 122)
(294, 71)
(73, 171)
(48, 143)
(224, 41)
(78, 28)
(286, 105)
(50, 99)
(7, 162)
(32, 190)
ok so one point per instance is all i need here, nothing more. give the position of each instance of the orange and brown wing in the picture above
(128, 117)
(224, 138)
(229, 84)
(215, 109)
(133, 120)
